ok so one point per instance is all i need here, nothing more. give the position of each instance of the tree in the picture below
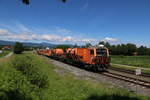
(102, 42)
(124, 49)
(75, 46)
(27, 2)
(142, 50)
(64, 47)
(131, 48)
(106, 44)
(18, 48)
(88, 45)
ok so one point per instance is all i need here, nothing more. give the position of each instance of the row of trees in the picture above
(119, 49)
(126, 49)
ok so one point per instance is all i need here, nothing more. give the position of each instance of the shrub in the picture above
(27, 66)
(18, 48)
(14, 86)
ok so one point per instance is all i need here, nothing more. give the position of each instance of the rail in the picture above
(128, 79)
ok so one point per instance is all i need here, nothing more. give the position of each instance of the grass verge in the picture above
(130, 68)
(16, 83)
(142, 61)
(4, 53)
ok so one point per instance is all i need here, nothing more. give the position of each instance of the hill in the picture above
(42, 44)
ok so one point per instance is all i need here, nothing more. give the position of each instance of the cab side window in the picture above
(92, 52)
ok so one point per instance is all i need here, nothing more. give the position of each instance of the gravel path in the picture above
(62, 68)
(8, 55)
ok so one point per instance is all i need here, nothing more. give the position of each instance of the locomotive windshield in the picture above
(101, 52)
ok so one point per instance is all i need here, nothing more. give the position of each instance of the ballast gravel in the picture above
(62, 68)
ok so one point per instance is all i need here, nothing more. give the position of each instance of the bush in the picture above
(27, 66)
(18, 48)
(14, 86)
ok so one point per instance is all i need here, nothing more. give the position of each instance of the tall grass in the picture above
(22, 79)
(29, 68)
(14, 86)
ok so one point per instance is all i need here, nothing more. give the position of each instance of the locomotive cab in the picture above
(101, 59)
(102, 52)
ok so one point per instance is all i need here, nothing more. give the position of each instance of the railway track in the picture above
(129, 71)
(128, 79)
(140, 82)
(87, 75)
(133, 80)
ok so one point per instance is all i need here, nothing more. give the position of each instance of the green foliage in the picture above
(75, 46)
(22, 79)
(15, 83)
(126, 49)
(1, 47)
(14, 86)
(142, 50)
(4, 53)
(88, 45)
(64, 47)
(28, 67)
(18, 48)
(123, 49)
(27, 2)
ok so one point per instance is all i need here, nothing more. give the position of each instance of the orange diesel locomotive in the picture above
(95, 58)
(92, 58)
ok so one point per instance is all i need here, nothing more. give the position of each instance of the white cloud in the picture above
(108, 39)
(86, 40)
(20, 32)
(23, 28)
(25, 36)
(4, 32)
(63, 30)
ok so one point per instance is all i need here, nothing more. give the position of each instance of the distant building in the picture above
(135, 53)
(1, 51)
(47, 48)
(7, 48)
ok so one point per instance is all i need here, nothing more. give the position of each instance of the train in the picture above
(91, 58)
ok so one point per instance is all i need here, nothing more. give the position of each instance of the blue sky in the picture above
(76, 21)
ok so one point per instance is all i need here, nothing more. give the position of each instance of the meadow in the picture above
(30, 77)
(4, 53)
(137, 61)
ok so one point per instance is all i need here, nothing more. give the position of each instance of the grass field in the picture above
(22, 77)
(142, 61)
(4, 53)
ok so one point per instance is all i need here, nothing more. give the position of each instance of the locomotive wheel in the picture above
(100, 68)
(95, 68)
(87, 67)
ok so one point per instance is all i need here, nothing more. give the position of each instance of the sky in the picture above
(76, 21)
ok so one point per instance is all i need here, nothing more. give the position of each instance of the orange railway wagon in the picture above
(96, 58)
(48, 52)
(58, 52)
